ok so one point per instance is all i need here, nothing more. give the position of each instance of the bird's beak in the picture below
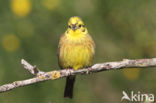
(74, 27)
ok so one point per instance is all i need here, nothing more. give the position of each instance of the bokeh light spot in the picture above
(10, 43)
(21, 8)
(131, 74)
(51, 4)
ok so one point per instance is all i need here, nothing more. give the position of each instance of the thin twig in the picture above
(32, 69)
(56, 74)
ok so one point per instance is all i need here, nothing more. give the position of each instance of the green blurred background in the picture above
(30, 29)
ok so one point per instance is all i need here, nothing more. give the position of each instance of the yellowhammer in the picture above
(75, 50)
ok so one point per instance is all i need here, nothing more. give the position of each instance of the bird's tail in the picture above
(68, 92)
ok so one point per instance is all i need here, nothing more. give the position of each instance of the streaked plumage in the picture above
(75, 50)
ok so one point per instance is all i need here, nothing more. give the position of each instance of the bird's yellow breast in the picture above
(76, 52)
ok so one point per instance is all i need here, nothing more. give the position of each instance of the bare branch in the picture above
(56, 74)
(32, 69)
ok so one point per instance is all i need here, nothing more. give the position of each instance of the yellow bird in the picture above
(75, 51)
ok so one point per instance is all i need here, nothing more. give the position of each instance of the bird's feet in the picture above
(69, 71)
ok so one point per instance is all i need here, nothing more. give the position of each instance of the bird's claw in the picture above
(68, 70)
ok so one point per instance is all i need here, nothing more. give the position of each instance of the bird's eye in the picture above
(80, 25)
(69, 26)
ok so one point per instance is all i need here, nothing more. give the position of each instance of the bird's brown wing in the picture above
(58, 50)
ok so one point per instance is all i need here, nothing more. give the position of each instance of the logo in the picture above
(137, 97)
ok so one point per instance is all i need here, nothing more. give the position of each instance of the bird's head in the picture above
(76, 25)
